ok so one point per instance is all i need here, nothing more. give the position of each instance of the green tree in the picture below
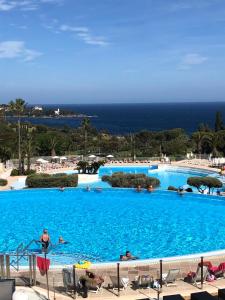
(202, 183)
(85, 126)
(18, 106)
(219, 122)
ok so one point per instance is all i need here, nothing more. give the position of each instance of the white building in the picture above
(38, 108)
(57, 112)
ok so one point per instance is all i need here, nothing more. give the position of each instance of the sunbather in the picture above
(90, 280)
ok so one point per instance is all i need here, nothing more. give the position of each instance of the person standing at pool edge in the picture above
(45, 240)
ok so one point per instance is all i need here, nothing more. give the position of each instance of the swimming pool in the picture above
(174, 176)
(101, 226)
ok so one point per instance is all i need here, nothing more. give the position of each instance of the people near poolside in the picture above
(88, 189)
(89, 280)
(180, 191)
(128, 256)
(150, 189)
(138, 189)
(45, 240)
(218, 192)
(61, 240)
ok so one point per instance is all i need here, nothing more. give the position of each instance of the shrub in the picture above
(30, 172)
(172, 188)
(47, 181)
(189, 190)
(120, 179)
(3, 182)
(202, 183)
(15, 172)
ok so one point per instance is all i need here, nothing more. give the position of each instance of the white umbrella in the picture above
(109, 156)
(63, 158)
(42, 161)
(92, 156)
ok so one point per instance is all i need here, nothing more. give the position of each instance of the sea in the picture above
(130, 118)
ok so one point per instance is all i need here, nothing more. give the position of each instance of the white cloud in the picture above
(25, 5)
(84, 34)
(73, 29)
(7, 5)
(17, 49)
(192, 59)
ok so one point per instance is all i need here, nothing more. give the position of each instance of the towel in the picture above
(43, 264)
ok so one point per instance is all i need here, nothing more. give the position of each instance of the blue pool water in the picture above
(101, 226)
(167, 175)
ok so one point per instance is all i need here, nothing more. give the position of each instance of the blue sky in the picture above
(104, 51)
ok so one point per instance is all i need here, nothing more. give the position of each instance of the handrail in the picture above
(21, 252)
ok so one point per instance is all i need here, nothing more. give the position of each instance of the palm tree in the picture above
(18, 107)
(85, 126)
(198, 137)
(52, 144)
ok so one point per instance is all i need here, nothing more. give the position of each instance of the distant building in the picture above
(57, 112)
(38, 108)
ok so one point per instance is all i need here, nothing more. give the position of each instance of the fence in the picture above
(150, 277)
(10, 268)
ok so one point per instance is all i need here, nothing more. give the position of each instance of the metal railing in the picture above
(24, 276)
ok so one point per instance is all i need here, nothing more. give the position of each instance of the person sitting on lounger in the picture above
(90, 280)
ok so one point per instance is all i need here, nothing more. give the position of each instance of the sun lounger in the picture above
(202, 296)
(68, 280)
(143, 281)
(221, 294)
(197, 277)
(170, 277)
(123, 282)
(173, 297)
(7, 288)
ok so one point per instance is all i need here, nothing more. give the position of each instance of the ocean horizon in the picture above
(126, 118)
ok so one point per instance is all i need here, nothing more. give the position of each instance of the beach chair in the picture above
(123, 282)
(197, 277)
(143, 281)
(7, 288)
(68, 280)
(170, 278)
(173, 297)
(202, 296)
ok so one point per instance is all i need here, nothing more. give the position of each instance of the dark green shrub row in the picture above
(15, 172)
(120, 179)
(202, 183)
(172, 188)
(3, 182)
(47, 181)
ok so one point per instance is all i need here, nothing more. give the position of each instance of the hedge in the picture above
(15, 172)
(124, 180)
(3, 182)
(56, 180)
